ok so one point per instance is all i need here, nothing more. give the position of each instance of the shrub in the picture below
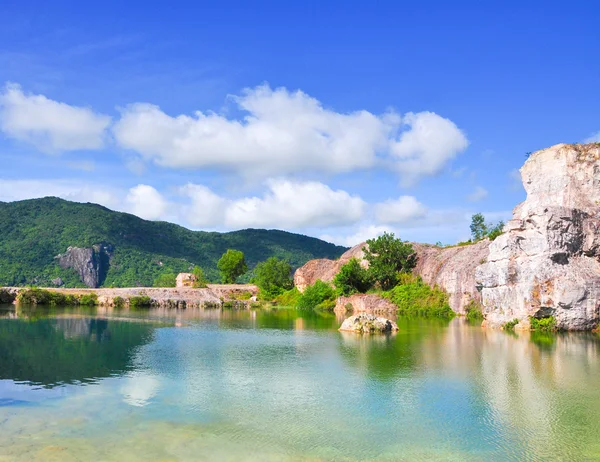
(352, 278)
(510, 325)
(545, 324)
(320, 296)
(200, 281)
(142, 301)
(35, 296)
(289, 298)
(273, 276)
(388, 256)
(88, 299)
(473, 311)
(414, 297)
(166, 280)
(118, 302)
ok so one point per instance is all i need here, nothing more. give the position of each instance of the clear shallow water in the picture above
(283, 385)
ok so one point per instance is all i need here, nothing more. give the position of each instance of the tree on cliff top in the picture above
(353, 278)
(388, 256)
(232, 265)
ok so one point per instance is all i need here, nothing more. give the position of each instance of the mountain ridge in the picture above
(34, 232)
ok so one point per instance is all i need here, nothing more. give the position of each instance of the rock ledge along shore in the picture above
(181, 297)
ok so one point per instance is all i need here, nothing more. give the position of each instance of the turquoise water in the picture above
(286, 385)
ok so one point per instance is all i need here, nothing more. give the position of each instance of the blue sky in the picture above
(334, 119)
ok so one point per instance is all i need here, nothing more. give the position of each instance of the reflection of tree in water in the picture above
(51, 352)
(386, 357)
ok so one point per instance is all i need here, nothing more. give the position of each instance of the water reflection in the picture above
(286, 384)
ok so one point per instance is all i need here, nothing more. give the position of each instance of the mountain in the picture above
(121, 250)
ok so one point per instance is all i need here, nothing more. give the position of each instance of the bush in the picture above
(142, 301)
(273, 276)
(319, 296)
(88, 300)
(166, 280)
(289, 298)
(35, 296)
(545, 324)
(388, 256)
(473, 311)
(200, 282)
(119, 302)
(414, 297)
(352, 279)
(510, 325)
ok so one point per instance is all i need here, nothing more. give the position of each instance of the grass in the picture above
(35, 296)
(119, 302)
(510, 325)
(473, 312)
(413, 297)
(545, 324)
(88, 300)
(142, 301)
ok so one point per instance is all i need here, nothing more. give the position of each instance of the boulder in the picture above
(546, 263)
(364, 323)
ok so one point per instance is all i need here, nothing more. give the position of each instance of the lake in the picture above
(279, 385)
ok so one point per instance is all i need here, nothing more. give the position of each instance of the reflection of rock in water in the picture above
(51, 352)
(93, 329)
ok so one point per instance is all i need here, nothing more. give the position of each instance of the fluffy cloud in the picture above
(146, 202)
(286, 204)
(286, 132)
(49, 125)
(595, 138)
(479, 194)
(400, 210)
(360, 235)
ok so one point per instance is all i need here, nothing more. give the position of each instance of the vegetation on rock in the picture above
(141, 301)
(353, 278)
(413, 297)
(165, 280)
(545, 324)
(387, 257)
(473, 312)
(318, 296)
(199, 279)
(510, 325)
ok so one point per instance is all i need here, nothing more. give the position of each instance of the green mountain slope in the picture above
(34, 232)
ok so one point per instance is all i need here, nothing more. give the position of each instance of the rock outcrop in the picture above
(546, 262)
(91, 264)
(325, 269)
(364, 303)
(364, 323)
(452, 269)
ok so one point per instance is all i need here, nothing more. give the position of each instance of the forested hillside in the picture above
(34, 232)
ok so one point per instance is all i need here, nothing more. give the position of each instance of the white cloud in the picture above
(360, 235)
(49, 125)
(285, 132)
(286, 204)
(428, 146)
(479, 194)
(146, 202)
(400, 210)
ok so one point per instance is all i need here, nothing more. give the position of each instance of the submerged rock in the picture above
(364, 323)
(547, 261)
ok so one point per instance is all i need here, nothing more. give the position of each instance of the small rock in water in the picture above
(364, 323)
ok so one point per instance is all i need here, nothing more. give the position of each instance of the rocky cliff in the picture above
(452, 269)
(91, 264)
(546, 262)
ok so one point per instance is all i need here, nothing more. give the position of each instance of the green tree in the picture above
(166, 280)
(353, 278)
(320, 295)
(478, 227)
(199, 279)
(231, 266)
(388, 256)
(495, 230)
(273, 276)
